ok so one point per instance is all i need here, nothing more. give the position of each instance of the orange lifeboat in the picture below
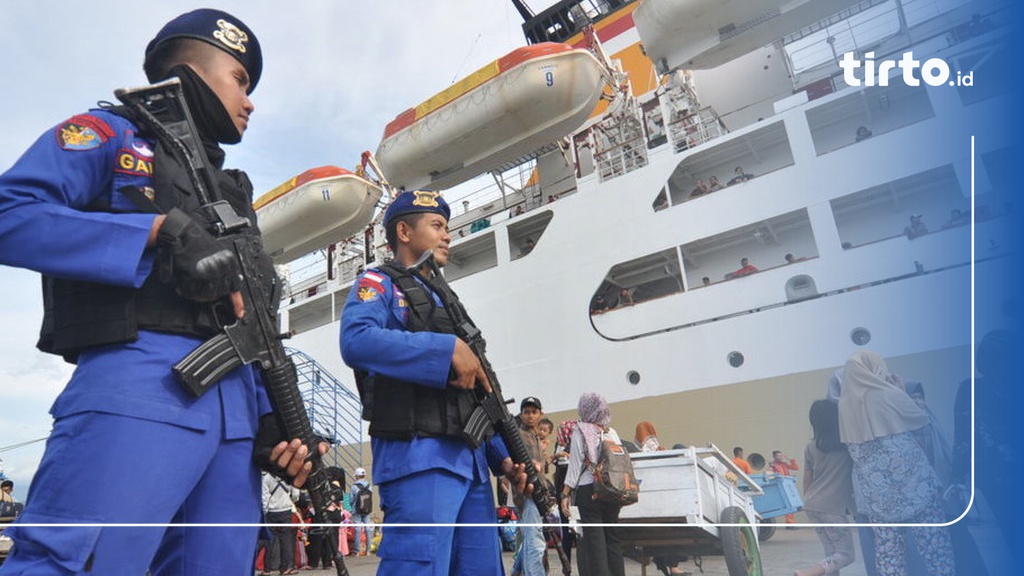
(320, 206)
(512, 107)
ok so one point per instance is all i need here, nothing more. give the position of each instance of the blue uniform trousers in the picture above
(438, 497)
(134, 484)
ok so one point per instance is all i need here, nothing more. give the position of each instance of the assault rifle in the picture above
(161, 108)
(492, 410)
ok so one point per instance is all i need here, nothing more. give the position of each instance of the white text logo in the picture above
(934, 71)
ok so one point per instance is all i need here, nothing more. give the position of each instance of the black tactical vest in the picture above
(400, 410)
(78, 315)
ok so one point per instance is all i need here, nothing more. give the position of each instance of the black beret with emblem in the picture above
(219, 29)
(415, 202)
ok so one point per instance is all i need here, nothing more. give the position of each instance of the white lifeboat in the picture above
(512, 107)
(320, 206)
(702, 34)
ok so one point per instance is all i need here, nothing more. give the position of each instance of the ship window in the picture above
(785, 240)
(860, 336)
(639, 280)
(882, 212)
(472, 256)
(755, 154)
(523, 236)
(735, 359)
(867, 114)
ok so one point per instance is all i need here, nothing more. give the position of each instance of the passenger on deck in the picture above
(599, 305)
(705, 281)
(740, 176)
(957, 218)
(746, 268)
(714, 185)
(862, 133)
(916, 227)
(790, 259)
(518, 211)
(699, 189)
(527, 248)
(625, 298)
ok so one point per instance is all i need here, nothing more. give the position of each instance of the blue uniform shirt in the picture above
(374, 339)
(44, 226)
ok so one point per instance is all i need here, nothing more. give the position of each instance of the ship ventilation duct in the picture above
(800, 287)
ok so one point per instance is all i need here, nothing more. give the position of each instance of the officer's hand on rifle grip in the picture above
(467, 368)
(516, 474)
(203, 268)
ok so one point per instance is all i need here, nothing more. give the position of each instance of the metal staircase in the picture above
(334, 412)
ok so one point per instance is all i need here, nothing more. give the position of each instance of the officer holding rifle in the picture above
(132, 283)
(418, 383)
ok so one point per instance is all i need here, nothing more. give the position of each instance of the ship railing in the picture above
(621, 145)
(694, 129)
(621, 159)
(334, 411)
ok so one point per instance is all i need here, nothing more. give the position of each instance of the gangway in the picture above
(334, 412)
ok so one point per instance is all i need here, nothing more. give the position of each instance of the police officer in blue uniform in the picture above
(131, 285)
(416, 380)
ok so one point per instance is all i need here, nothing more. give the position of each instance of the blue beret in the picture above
(219, 29)
(415, 202)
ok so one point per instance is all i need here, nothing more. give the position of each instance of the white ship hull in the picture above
(838, 205)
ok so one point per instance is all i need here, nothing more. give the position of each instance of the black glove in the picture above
(203, 268)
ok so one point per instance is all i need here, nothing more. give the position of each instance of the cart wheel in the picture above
(765, 529)
(739, 544)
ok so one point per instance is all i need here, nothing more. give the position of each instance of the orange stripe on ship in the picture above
(610, 27)
(472, 81)
(317, 173)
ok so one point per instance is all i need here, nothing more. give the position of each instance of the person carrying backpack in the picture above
(361, 497)
(600, 550)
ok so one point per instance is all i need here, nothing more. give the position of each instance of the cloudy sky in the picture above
(335, 72)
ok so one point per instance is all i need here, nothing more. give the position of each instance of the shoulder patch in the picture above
(83, 132)
(368, 288)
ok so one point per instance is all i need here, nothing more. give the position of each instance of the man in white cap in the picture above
(361, 497)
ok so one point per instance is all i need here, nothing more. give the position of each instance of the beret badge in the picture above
(231, 36)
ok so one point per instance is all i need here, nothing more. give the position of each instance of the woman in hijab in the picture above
(885, 431)
(600, 551)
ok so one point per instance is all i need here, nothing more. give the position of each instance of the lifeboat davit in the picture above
(320, 206)
(512, 107)
(701, 34)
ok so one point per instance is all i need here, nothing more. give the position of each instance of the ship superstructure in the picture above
(597, 261)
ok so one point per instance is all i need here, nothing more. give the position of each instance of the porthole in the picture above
(860, 336)
(633, 377)
(735, 359)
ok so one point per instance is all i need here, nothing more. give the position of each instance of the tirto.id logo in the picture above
(934, 71)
